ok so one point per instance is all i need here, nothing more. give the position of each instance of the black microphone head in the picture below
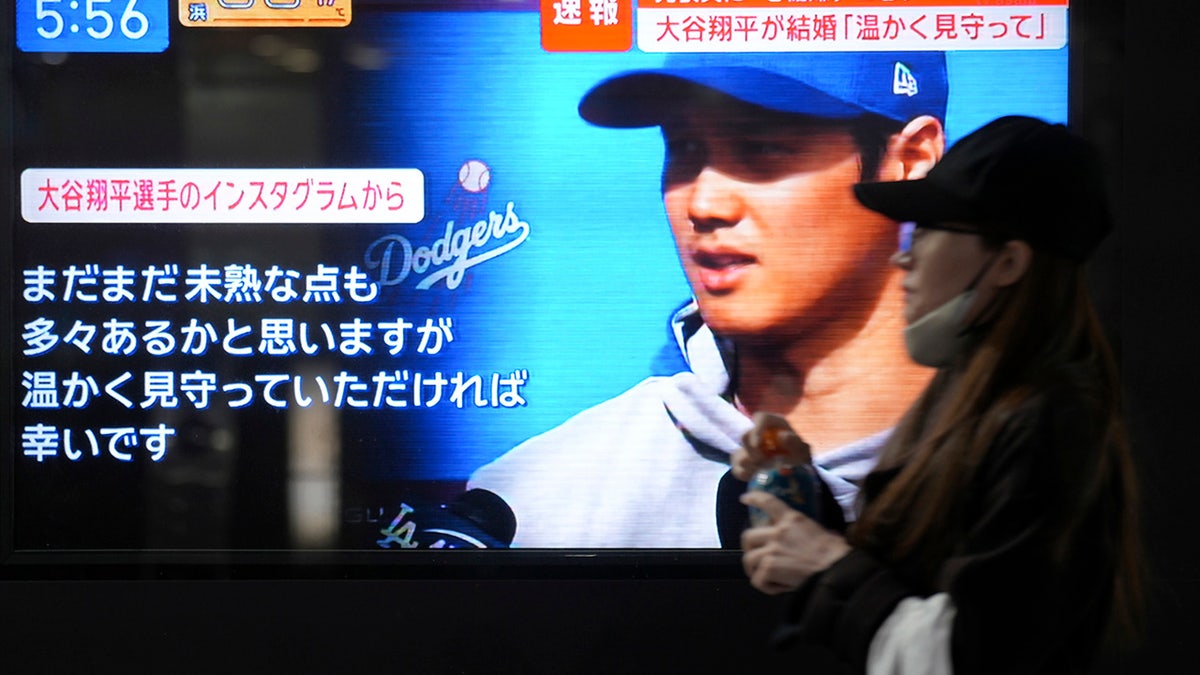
(491, 514)
(732, 515)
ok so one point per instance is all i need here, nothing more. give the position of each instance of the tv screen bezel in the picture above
(1085, 87)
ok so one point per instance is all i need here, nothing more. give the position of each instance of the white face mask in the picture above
(937, 338)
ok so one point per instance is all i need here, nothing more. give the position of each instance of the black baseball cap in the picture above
(1017, 176)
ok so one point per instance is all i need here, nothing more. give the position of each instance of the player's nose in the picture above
(714, 200)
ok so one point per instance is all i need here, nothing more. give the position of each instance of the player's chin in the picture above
(732, 317)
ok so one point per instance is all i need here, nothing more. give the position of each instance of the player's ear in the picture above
(913, 152)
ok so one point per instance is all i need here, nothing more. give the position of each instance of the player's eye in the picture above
(685, 158)
(680, 147)
(765, 148)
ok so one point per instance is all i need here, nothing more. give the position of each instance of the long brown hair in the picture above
(1045, 331)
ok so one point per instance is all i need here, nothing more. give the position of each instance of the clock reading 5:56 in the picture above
(92, 25)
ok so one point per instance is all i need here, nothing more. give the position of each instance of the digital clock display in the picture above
(92, 25)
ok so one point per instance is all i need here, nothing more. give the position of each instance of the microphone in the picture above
(477, 518)
(732, 515)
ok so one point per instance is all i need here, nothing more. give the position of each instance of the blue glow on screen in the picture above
(583, 304)
(986, 85)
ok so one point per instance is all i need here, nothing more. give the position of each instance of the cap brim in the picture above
(649, 97)
(917, 200)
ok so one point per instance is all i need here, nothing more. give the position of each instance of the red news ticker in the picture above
(587, 25)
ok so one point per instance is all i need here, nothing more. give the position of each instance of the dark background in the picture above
(1134, 76)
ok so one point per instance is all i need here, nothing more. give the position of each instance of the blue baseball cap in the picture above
(837, 85)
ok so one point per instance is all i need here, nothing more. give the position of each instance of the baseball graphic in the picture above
(474, 176)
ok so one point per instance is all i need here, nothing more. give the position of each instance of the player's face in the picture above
(772, 239)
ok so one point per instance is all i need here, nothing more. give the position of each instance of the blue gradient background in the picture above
(583, 304)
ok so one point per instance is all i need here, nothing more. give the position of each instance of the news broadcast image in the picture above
(289, 286)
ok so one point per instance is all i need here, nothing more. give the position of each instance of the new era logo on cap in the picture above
(903, 81)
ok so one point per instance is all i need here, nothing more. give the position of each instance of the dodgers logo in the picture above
(903, 81)
(449, 257)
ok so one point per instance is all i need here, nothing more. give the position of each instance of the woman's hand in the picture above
(771, 436)
(780, 556)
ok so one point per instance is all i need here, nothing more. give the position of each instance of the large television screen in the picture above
(377, 279)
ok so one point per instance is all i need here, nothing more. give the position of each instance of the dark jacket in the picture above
(1020, 608)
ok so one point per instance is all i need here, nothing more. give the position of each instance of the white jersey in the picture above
(641, 470)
